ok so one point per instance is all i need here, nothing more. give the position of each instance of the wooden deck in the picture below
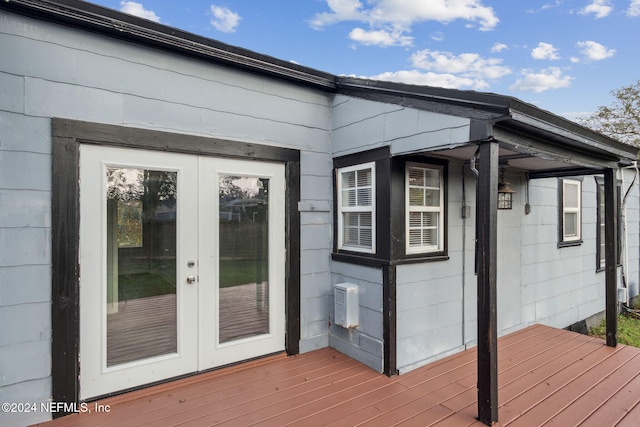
(146, 327)
(547, 377)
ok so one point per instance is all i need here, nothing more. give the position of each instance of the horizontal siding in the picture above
(360, 125)
(537, 281)
(364, 342)
(82, 76)
(97, 62)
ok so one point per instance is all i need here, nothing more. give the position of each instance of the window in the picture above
(356, 208)
(570, 212)
(424, 201)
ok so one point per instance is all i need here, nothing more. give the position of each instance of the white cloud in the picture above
(600, 8)
(224, 19)
(557, 3)
(445, 69)
(438, 36)
(547, 6)
(634, 8)
(398, 16)
(499, 47)
(545, 51)
(341, 10)
(137, 9)
(416, 77)
(594, 51)
(548, 78)
(468, 65)
(380, 38)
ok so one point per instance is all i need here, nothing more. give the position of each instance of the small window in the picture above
(424, 208)
(571, 208)
(356, 210)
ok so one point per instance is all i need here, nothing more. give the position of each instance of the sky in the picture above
(564, 56)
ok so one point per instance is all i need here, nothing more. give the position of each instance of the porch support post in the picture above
(487, 225)
(611, 255)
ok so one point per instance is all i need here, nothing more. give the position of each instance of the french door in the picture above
(182, 263)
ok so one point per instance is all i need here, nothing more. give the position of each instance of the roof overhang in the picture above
(98, 19)
(530, 138)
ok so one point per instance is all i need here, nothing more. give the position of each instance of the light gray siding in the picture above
(78, 75)
(364, 342)
(360, 125)
(537, 281)
(435, 299)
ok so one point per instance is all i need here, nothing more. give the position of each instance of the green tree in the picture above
(621, 120)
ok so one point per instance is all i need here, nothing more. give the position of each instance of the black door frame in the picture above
(67, 135)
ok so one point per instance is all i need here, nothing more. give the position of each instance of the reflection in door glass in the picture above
(244, 256)
(141, 264)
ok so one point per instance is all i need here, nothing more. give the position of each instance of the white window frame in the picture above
(441, 210)
(572, 209)
(342, 210)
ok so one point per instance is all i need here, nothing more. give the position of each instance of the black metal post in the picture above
(611, 255)
(487, 227)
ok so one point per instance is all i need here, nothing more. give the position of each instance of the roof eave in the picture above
(113, 23)
(551, 127)
(504, 112)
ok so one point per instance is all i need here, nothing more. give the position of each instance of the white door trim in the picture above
(96, 378)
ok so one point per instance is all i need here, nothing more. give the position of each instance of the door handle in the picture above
(191, 280)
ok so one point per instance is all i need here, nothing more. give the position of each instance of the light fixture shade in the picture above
(503, 187)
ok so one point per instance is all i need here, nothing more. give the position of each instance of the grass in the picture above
(240, 271)
(132, 286)
(232, 273)
(628, 329)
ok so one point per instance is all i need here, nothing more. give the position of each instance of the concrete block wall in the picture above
(78, 75)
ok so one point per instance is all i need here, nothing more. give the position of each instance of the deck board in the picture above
(546, 375)
(146, 327)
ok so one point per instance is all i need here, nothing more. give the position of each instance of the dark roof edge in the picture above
(512, 112)
(107, 21)
(530, 115)
(504, 111)
(481, 100)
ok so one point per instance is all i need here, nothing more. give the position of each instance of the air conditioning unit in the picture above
(347, 312)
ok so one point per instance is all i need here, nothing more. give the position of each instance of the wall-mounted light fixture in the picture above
(505, 193)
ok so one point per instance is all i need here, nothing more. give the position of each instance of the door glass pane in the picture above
(244, 257)
(141, 264)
